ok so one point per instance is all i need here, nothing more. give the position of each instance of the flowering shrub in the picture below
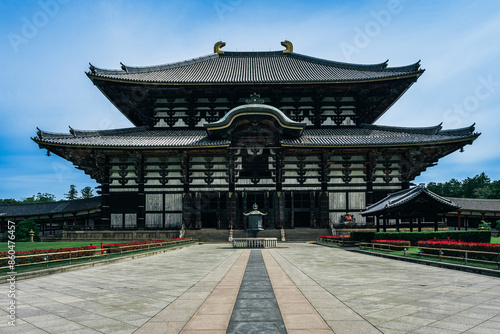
(393, 242)
(448, 247)
(336, 237)
(34, 256)
(137, 245)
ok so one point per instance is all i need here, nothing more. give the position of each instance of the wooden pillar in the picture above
(276, 208)
(234, 209)
(50, 224)
(245, 209)
(266, 208)
(218, 210)
(435, 222)
(411, 224)
(398, 220)
(458, 219)
(419, 224)
(384, 224)
(198, 209)
(105, 222)
(281, 211)
(378, 223)
(312, 214)
(369, 184)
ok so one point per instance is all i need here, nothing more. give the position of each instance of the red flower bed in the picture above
(448, 247)
(63, 253)
(393, 242)
(55, 254)
(137, 245)
(336, 237)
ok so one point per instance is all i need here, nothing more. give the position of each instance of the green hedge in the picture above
(363, 236)
(414, 237)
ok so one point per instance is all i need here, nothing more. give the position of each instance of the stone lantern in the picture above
(255, 220)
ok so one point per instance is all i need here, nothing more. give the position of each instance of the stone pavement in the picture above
(197, 290)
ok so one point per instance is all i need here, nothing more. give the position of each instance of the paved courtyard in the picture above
(210, 288)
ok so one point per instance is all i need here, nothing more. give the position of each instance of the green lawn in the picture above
(26, 246)
(23, 246)
(495, 240)
(414, 253)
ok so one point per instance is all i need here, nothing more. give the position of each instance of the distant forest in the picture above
(479, 186)
(72, 194)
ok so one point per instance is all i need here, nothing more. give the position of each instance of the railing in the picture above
(255, 242)
(92, 252)
(440, 253)
(338, 241)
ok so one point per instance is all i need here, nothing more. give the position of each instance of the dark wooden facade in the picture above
(215, 135)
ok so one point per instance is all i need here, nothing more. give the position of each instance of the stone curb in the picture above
(45, 272)
(474, 270)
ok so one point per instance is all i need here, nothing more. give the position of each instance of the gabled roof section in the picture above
(137, 137)
(254, 67)
(252, 111)
(366, 135)
(406, 201)
(378, 135)
(49, 208)
(477, 204)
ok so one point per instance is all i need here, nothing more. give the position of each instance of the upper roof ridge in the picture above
(430, 130)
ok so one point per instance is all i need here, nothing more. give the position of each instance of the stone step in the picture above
(302, 234)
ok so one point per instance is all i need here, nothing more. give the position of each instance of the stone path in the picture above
(317, 289)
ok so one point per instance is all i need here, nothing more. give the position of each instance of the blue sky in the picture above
(46, 45)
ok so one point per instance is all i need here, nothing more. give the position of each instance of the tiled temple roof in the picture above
(255, 67)
(399, 199)
(366, 135)
(477, 204)
(39, 209)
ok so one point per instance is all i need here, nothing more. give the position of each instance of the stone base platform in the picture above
(255, 242)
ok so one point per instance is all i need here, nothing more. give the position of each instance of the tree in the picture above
(22, 230)
(479, 186)
(8, 201)
(72, 193)
(87, 192)
(471, 185)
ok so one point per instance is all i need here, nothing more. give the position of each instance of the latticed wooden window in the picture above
(256, 166)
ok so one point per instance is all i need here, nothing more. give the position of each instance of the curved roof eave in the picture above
(277, 82)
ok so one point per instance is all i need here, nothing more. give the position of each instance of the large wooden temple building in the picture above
(214, 135)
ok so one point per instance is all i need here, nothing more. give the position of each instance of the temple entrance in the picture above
(209, 219)
(258, 198)
(302, 218)
(210, 204)
(302, 209)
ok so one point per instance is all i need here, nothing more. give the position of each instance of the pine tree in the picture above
(72, 193)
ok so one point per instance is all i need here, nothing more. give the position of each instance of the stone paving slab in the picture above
(253, 314)
(395, 297)
(350, 292)
(118, 297)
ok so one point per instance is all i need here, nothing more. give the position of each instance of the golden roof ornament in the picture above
(288, 45)
(218, 46)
